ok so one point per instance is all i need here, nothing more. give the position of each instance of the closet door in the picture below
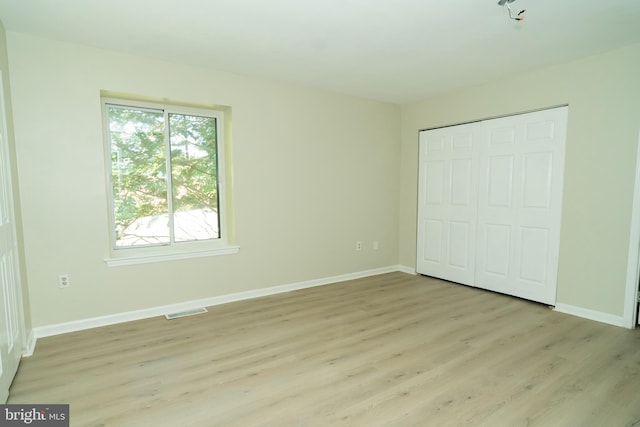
(519, 204)
(447, 202)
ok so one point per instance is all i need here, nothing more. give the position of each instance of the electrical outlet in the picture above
(63, 281)
(375, 245)
(358, 246)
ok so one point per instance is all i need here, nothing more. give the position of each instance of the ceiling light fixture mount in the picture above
(516, 17)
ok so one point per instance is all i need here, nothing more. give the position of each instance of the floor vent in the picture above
(186, 313)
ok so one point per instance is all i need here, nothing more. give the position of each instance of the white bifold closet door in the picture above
(490, 196)
(448, 199)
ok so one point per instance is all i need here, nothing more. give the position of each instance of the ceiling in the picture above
(395, 51)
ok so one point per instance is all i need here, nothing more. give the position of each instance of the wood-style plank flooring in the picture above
(389, 350)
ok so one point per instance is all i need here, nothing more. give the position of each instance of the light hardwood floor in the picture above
(390, 350)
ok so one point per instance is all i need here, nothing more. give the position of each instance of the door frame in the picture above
(20, 345)
(630, 316)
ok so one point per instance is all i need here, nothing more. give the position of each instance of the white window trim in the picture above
(140, 258)
(177, 250)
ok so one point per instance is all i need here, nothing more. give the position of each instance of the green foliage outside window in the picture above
(152, 193)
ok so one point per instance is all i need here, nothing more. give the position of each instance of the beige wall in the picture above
(313, 173)
(603, 93)
(4, 66)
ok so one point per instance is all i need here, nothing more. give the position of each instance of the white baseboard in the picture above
(598, 316)
(408, 270)
(96, 322)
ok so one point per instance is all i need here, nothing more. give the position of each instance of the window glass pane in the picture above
(138, 168)
(194, 175)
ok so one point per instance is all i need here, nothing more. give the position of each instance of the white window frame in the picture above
(173, 250)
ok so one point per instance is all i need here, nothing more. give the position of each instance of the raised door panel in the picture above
(495, 257)
(533, 255)
(432, 242)
(537, 180)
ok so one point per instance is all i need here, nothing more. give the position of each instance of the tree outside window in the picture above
(164, 176)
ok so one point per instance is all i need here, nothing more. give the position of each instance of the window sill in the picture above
(138, 258)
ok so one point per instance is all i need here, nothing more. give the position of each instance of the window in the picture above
(166, 173)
